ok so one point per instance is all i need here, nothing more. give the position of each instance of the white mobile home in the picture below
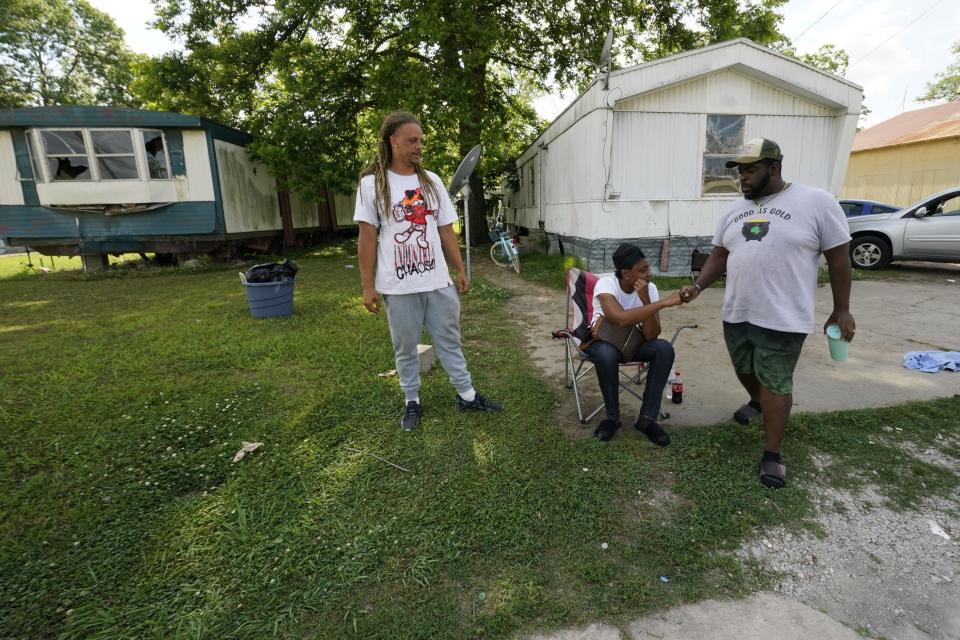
(643, 158)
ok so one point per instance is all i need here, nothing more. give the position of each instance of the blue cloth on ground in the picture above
(932, 361)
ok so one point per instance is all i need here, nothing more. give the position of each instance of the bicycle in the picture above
(504, 250)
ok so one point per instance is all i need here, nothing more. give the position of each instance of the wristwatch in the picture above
(698, 287)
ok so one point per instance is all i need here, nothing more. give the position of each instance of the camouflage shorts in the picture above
(769, 355)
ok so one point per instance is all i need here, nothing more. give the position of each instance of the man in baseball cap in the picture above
(769, 243)
(756, 150)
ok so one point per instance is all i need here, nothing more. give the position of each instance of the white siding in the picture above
(249, 191)
(610, 219)
(656, 156)
(303, 212)
(696, 217)
(199, 181)
(575, 163)
(807, 144)
(346, 204)
(742, 56)
(644, 139)
(724, 92)
(10, 191)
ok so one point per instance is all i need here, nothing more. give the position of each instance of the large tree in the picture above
(947, 83)
(312, 78)
(55, 52)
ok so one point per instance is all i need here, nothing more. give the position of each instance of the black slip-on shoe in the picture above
(653, 431)
(606, 430)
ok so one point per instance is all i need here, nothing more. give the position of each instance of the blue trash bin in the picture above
(270, 299)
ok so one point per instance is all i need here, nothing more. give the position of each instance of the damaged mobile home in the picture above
(94, 181)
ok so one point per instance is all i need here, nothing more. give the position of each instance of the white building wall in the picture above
(346, 206)
(10, 191)
(725, 91)
(648, 147)
(656, 156)
(808, 145)
(249, 191)
(304, 213)
(740, 56)
(198, 186)
(575, 163)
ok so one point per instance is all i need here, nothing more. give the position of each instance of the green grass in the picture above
(123, 400)
(17, 264)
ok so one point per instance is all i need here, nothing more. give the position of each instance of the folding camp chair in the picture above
(578, 363)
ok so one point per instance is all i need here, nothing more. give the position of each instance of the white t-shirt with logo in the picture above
(775, 249)
(409, 255)
(610, 284)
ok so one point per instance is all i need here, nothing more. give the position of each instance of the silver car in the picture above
(926, 230)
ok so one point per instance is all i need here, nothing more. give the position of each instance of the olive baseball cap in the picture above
(756, 150)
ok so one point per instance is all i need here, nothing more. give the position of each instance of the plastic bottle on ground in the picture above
(670, 380)
(677, 389)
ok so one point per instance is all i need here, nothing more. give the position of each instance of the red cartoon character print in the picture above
(413, 208)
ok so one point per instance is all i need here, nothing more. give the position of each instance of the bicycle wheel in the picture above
(499, 255)
(515, 260)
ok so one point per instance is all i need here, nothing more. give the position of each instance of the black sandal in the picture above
(747, 412)
(606, 430)
(653, 431)
(773, 474)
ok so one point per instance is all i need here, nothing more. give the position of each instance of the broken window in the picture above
(34, 157)
(66, 154)
(158, 162)
(724, 140)
(99, 154)
(113, 149)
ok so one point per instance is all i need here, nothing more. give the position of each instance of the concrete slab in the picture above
(591, 632)
(428, 357)
(760, 617)
(892, 317)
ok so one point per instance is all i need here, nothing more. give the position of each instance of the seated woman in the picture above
(628, 298)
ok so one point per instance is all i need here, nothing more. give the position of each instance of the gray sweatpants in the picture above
(439, 311)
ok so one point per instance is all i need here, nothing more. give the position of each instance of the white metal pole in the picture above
(466, 228)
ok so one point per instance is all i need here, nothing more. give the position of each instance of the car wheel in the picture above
(869, 252)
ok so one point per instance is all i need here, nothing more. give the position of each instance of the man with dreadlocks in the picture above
(409, 210)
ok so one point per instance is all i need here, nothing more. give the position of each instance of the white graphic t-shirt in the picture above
(774, 250)
(610, 284)
(409, 256)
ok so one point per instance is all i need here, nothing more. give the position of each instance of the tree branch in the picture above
(513, 63)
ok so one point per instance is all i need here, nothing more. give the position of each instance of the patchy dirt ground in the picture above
(884, 573)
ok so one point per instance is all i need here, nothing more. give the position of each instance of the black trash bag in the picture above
(273, 272)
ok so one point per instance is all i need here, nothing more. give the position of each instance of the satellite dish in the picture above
(607, 45)
(464, 171)
(605, 57)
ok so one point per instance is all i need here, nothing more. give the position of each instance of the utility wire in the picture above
(904, 28)
(816, 21)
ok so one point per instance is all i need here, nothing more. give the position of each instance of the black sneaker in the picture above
(478, 404)
(411, 415)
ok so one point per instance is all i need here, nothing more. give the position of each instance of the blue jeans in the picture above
(439, 312)
(606, 359)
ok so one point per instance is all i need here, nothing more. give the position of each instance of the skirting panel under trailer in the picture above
(668, 256)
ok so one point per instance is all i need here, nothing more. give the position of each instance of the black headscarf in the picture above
(627, 255)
